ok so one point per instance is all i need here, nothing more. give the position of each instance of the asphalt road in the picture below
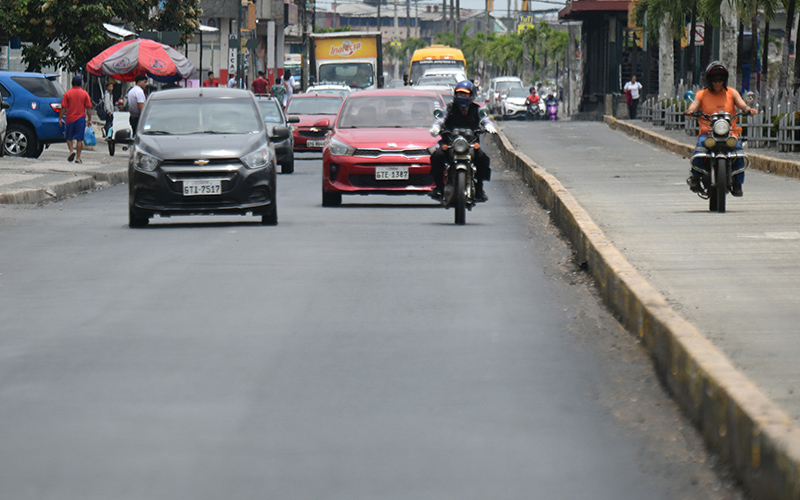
(369, 351)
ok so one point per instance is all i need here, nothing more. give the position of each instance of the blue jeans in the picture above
(701, 163)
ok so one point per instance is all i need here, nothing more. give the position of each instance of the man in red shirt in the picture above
(77, 106)
(260, 84)
(211, 82)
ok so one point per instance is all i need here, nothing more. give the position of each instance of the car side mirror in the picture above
(6, 105)
(324, 123)
(293, 119)
(280, 133)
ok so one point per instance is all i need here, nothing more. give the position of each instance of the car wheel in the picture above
(137, 218)
(21, 141)
(270, 219)
(331, 199)
(287, 167)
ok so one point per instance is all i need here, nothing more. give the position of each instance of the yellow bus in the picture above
(433, 58)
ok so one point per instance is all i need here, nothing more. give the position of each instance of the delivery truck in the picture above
(353, 58)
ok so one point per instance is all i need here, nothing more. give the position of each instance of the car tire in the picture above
(270, 219)
(21, 141)
(137, 219)
(331, 199)
(287, 167)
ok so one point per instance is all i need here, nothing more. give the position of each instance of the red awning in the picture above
(577, 8)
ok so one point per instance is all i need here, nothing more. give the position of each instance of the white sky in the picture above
(500, 6)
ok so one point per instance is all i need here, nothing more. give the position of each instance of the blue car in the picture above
(35, 102)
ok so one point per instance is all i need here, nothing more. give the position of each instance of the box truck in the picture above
(350, 57)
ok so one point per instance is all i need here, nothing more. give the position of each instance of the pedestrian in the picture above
(108, 107)
(278, 91)
(76, 106)
(232, 81)
(211, 82)
(136, 100)
(260, 84)
(632, 89)
(288, 83)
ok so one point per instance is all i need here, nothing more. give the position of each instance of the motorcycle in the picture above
(119, 132)
(535, 111)
(720, 154)
(552, 109)
(460, 183)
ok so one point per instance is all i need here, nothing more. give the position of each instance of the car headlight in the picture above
(460, 145)
(259, 158)
(338, 148)
(145, 162)
(722, 127)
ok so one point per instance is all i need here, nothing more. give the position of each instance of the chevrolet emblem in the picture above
(315, 129)
(201, 162)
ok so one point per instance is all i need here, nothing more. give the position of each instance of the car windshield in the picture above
(40, 87)
(518, 92)
(508, 85)
(201, 116)
(316, 105)
(270, 110)
(388, 112)
(356, 75)
(437, 80)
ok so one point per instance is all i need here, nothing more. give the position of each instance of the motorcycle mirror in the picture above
(438, 113)
(689, 96)
(483, 113)
(750, 98)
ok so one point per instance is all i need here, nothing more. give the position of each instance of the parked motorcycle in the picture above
(720, 155)
(119, 132)
(460, 182)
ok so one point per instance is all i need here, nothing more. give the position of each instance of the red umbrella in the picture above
(124, 60)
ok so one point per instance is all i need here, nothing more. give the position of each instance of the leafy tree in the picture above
(68, 33)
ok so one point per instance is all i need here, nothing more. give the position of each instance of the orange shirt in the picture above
(76, 100)
(711, 103)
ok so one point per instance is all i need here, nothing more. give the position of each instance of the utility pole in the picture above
(458, 24)
(239, 44)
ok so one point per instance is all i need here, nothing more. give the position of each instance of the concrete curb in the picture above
(735, 417)
(786, 168)
(71, 185)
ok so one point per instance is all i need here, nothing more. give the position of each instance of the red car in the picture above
(380, 144)
(316, 113)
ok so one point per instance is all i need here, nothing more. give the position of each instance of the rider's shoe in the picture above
(694, 184)
(736, 190)
(480, 196)
(436, 193)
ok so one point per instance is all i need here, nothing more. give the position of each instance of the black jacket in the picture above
(455, 118)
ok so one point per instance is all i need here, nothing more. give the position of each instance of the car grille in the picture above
(368, 181)
(319, 134)
(410, 153)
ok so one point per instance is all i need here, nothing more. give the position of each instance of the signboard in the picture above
(525, 22)
(699, 34)
(345, 48)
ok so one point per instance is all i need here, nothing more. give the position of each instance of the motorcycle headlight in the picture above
(145, 162)
(259, 158)
(722, 127)
(710, 142)
(731, 142)
(460, 145)
(338, 148)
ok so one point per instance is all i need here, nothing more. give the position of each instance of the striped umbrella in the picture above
(124, 60)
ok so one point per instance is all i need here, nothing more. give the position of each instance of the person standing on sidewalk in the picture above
(108, 107)
(76, 106)
(634, 88)
(136, 99)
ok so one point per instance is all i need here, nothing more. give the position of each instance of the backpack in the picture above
(100, 108)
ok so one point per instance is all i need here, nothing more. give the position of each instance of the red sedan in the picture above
(316, 113)
(380, 145)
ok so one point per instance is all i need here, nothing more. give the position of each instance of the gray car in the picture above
(275, 117)
(202, 151)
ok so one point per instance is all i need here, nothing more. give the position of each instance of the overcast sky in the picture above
(500, 6)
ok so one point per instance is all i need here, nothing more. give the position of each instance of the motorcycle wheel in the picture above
(461, 198)
(720, 189)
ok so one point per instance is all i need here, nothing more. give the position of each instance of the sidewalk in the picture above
(51, 177)
(714, 298)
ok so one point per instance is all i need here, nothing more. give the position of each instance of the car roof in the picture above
(400, 91)
(28, 73)
(506, 79)
(306, 95)
(200, 92)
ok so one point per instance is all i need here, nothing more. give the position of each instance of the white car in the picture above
(3, 124)
(499, 85)
(512, 105)
(456, 73)
(330, 88)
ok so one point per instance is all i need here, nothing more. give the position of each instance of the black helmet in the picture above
(532, 90)
(714, 71)
(464, 93)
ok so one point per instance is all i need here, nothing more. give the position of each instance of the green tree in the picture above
(68, 33)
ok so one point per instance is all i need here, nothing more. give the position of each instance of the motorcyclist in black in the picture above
(462, 112)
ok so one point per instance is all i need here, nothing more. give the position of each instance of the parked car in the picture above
(316, 113)
(3, 123)
(330, 88)
(275, 117)
(34, 104)
(202, 151)
(380, 145)
(497, 86)
(512, 104)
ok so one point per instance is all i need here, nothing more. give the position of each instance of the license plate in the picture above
(315, 144)
(202, 188)
(391, 173)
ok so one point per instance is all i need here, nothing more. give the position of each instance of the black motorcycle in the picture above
(460, 184)
(719, 156)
